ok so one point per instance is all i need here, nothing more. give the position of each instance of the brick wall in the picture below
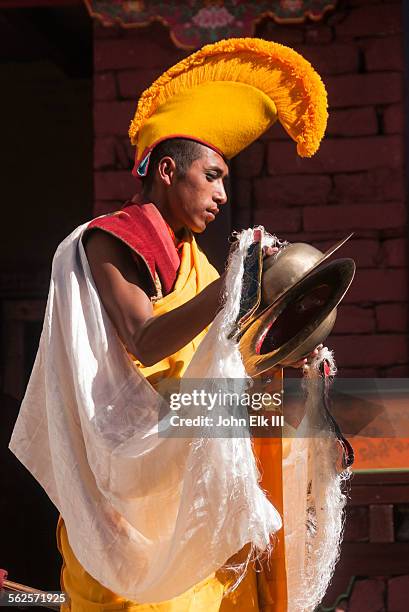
(126, 62)
(355, 182)
(372, 573)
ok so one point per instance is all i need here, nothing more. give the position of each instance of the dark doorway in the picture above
(46, 162)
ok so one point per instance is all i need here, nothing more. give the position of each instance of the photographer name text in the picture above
(253, 420)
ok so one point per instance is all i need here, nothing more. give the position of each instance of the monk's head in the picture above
(185, 180)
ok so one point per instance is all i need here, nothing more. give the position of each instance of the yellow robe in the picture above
(88, 595)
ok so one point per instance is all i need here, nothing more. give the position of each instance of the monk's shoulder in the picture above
(103, 248)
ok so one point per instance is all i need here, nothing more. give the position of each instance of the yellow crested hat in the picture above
(229, 93)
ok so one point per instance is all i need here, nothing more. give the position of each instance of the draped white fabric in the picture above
(314, 498)
(147, 516)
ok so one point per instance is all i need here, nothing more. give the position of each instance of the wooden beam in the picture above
(381, 494)
(378, 478)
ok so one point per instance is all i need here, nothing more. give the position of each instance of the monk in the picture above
(157, 286)
(186, 184)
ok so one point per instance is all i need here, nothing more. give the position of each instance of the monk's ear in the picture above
(167, 170)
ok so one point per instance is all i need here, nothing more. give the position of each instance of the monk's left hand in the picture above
(307, 360)
(268, 251)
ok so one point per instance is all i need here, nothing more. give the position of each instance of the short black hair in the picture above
(183, 152)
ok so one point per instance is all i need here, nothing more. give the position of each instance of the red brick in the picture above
(333, 18)
(337, 58)
(104, 153)
(392, 317)
(284, 220)
(102, 207)
(133, 82)
(276, 132)
(250, 162)
(384, 53)
(354, 217)
(354, 320)
(393, 119)
(365, 253)
(125, 153)
(394, 253)
(128, 148)
(379, 184)
(113, 118)
(402, 516)
(242, 218)
(369, 350)
(271, 191)
(380, 20)
(381, 523)
(398, 593)
(135, 53)
(270, 30)
(315, 238)
(337, 155)
(357, 372)
(118, 185)
(367, 595)
(318, 33)
(330, 236)
(155, 29)
(356, 524)
(101, 31)
(111, 152)
(364, 89)
(104, 86)
(379, 285)
(242, 194)
(353, 122)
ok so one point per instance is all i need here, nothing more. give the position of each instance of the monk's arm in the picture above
(120, 285)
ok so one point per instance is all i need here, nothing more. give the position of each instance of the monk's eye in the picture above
(211, 176)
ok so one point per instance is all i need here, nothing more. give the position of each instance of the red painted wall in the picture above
(354, 183)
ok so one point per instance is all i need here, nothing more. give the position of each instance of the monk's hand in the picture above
(305, 363)
(269, 250)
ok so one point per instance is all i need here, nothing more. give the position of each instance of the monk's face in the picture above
(195, 198)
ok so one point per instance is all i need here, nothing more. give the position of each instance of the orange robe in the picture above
(266, 591)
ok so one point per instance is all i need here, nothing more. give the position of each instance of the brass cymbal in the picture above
(299, 319)
(290, 265)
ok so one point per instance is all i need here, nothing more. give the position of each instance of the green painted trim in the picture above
(340, 597)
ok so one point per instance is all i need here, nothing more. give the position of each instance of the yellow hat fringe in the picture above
(291, 82)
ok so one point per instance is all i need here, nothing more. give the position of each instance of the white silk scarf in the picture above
(147, 516)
